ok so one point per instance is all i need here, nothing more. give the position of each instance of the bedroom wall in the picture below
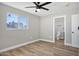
(46, 28)
(39, 27)
(46, 23)
(10, 38)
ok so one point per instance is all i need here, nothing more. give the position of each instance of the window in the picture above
(12, 21)
(22, 22)
(16, 22)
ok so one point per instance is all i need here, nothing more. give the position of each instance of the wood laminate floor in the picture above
(41, 48)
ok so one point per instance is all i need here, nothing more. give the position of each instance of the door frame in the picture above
(64, 27)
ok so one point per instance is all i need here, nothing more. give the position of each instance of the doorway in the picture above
(59, 29)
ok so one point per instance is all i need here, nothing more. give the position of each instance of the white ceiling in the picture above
(54, 7)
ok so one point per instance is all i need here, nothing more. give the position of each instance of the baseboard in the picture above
(17, 46)
(46, 40)
(22, 44)
(75, 46)
(68, 44)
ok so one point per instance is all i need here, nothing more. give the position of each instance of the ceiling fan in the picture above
(39, 6)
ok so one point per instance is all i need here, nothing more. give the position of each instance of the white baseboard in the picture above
(71, 45)
(46, 40)
(16, 46)
(68, 44)
(75, 46)
(22, 44)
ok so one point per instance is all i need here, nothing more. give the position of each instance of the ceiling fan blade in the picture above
(44, 8)
(35, 3)
(45, 3)
(31, 7)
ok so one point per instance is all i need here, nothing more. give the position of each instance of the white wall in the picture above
(46, 28)
(39, 27)
(10, 38)
(46, 25)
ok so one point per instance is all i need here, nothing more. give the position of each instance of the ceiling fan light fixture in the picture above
(39, 6)
(38, 10)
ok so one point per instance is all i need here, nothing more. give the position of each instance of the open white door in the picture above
(75, 30)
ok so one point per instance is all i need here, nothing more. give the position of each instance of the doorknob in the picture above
(72, 32)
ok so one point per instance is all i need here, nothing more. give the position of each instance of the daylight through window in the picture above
(16, 22)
